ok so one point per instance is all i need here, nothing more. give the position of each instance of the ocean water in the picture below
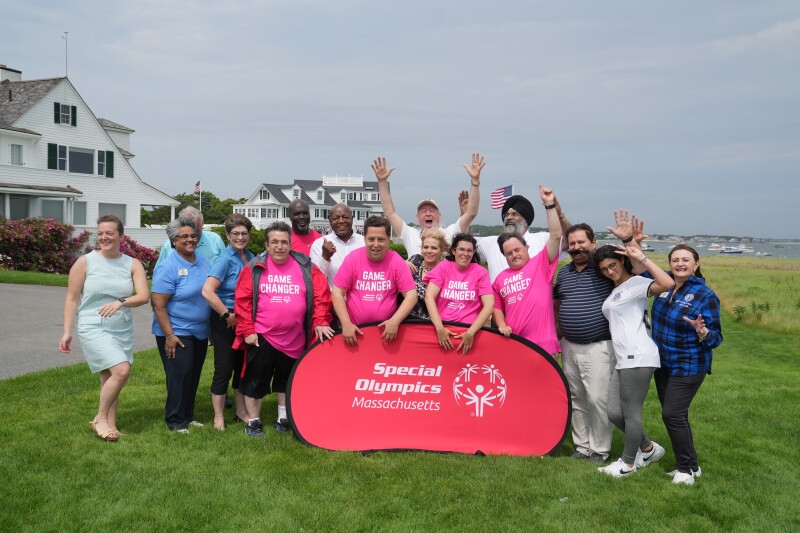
(785, 250)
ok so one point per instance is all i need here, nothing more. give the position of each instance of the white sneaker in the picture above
(644, 459)
(697, 473)
(683, 478)
(196, 424)
(617, 469)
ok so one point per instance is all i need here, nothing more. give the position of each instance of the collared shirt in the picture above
(226, 269)
(682, 353)
(581, 294)
(209, 247)
(330, 268)
(495, 260)
(187, 309)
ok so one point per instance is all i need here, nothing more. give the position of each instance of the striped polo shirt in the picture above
(582, 294)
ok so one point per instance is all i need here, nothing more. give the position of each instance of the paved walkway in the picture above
(32, 322)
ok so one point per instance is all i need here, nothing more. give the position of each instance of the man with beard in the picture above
(302, 235)
(517, 214)
(428, 214)
(329, 251)
(587, 354)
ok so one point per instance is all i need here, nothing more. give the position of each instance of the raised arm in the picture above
(382, 175)
(565, 223)
(629, 230)
(662, 281)
(473, 201)
(553, 224)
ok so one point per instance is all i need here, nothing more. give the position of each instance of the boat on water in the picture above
(647, 248)
(764, 254)
(715, 247)
(736, 249)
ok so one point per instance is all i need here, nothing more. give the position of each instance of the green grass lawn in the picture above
(60, 477)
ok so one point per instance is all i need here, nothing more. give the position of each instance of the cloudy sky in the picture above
(688, 113)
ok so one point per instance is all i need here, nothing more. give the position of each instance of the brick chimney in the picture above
(10, 74)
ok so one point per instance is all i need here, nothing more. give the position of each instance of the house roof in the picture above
(125, 153)
(113, 125)
(275, 191)
(24, 94)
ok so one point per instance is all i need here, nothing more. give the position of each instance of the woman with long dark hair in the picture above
(637, 354)
(686, 328)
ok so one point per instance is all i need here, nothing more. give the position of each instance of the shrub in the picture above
(39, 244)
(144, 254)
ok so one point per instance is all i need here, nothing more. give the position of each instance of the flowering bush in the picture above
(144, 254)
(39, 244)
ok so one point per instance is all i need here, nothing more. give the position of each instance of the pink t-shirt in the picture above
(459, 299)
(526, 298)
(282, 307)
(372, 287)
(302, 243)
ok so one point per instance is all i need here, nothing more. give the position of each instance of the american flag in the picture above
(197, 187)
(499, 196)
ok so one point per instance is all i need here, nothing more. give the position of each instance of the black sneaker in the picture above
(228, 402)
(254, 429)
(281, 426)
(597, 458)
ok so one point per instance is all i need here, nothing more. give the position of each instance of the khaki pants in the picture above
(588, 368)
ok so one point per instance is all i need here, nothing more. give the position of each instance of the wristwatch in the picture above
(225, 315)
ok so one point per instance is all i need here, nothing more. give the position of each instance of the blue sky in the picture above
(687, 113)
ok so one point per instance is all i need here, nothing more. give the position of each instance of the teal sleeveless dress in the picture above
(105, 341)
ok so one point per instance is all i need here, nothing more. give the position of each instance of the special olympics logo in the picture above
(480, 386)
(287, 299)
(379, 297)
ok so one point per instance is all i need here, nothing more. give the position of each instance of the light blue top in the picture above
(188, 311)
(226, 269)
(106, 281)
(209, 247)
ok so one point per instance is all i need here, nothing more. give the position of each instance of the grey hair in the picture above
(180, 222)
(191, 212)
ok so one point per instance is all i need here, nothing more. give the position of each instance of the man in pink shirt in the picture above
(368, 282)
(282, 304)
(302, 234)
(523, 293)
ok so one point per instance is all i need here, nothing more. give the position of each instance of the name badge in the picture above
(183, 272)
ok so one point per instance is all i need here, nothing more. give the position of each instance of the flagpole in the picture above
(200, 201)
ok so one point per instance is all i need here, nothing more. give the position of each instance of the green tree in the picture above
(214, 210)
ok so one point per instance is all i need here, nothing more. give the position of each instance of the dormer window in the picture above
(320, 196)
(65, 114)
(296, 193)
(264, 194)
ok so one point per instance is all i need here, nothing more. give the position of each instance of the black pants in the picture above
(676, 394)
(183, 377)
(227, 361)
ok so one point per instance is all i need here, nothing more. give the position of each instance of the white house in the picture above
(58, 160)
(270, 201)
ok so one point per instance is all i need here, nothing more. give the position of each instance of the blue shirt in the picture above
(682, 353)
(209, 247)
(581, 294)
(226, 269)
(188, 311)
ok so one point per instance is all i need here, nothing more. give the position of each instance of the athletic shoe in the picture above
(617, 469)
(196, 424)
(228, 402)
(254, 429)
(682, 478)
(597, 458)
(182, 431)
(695, 473)
(644, 459)
(578, 455)
(281, 426)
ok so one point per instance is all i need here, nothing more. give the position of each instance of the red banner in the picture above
(507, 396)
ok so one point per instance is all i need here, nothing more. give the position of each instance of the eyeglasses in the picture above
(612, 267)
(465, 251)
(187, 236)
(240, 234)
